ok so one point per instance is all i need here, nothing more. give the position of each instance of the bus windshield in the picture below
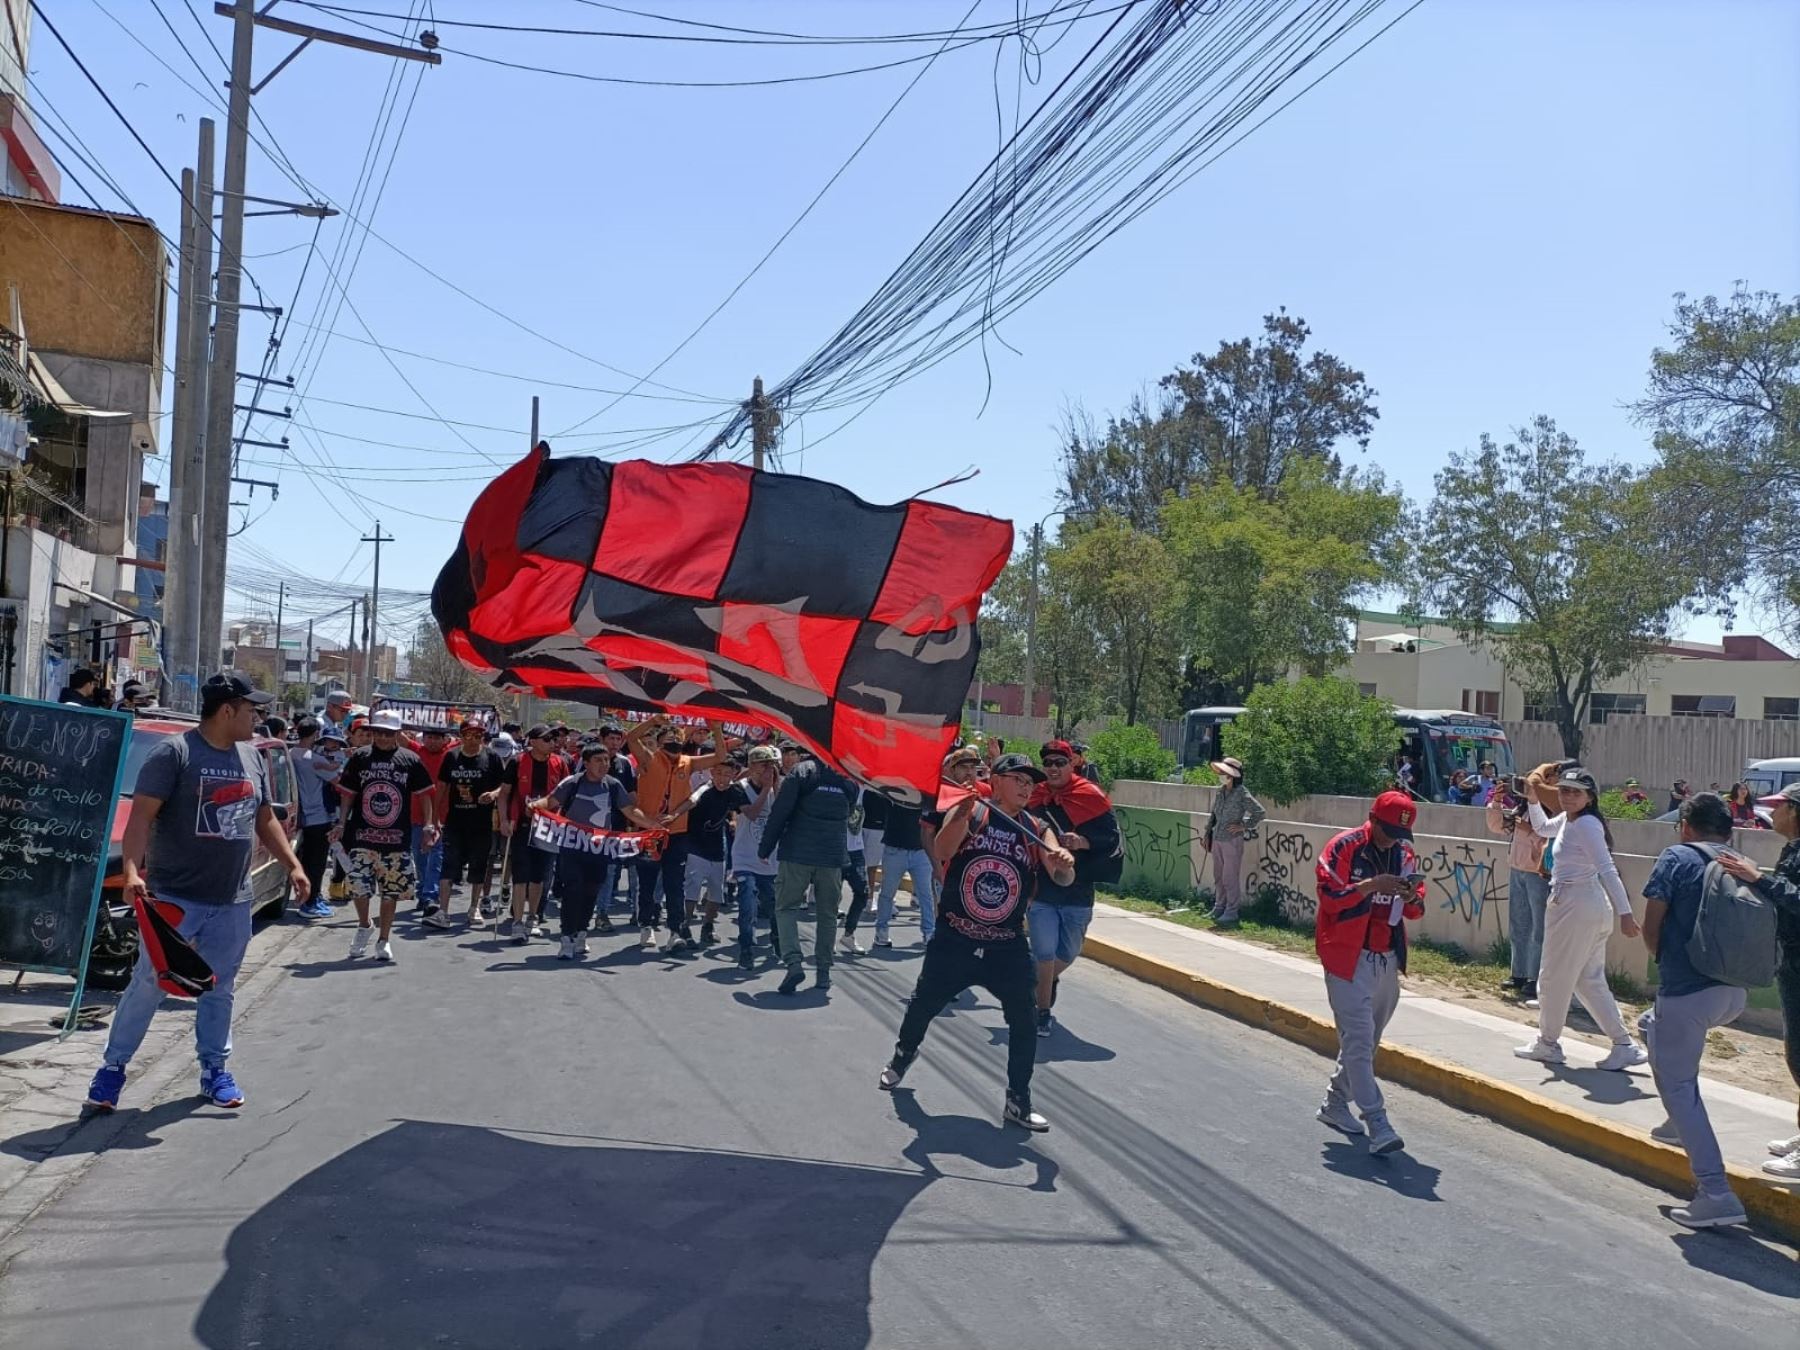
(1467, 748)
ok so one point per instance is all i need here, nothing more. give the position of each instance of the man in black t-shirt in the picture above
(709, 809)
(993, 855)
(379, 784)
(472, 776)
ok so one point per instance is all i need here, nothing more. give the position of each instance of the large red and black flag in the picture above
(715, 590)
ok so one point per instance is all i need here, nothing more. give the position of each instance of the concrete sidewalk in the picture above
(1464, 1057)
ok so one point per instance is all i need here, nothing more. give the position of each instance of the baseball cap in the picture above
(433, 731)
(764, 754)
(1017, 763)
(385, 720)
(472, 724)
(1062, 748)
(226, 686)
(540, 732)
(1789, 794)
(967, 754)
(1395, 813)
(334, 737)
(338, 698)
(1577, 777)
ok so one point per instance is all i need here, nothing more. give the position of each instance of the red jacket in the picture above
(1341, 931)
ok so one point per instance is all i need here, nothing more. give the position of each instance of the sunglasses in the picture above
(1056, 762)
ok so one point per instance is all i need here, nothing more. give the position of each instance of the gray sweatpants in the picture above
(1362, 1006)
(1674, 1031)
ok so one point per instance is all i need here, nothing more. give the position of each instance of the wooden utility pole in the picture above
(377, 539)
(763, 421)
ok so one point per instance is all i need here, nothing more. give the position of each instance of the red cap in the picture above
(1395, 813)
(1062, 748)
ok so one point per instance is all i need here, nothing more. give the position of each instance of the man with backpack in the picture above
(1712, 938)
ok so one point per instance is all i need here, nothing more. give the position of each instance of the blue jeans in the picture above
(220, 933)
(429, 863)
(1526, 895)
(755, 899)
(915, 861)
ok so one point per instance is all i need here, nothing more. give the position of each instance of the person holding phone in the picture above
(1528, 887)
(1369, 885)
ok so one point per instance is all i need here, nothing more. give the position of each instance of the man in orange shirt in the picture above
(663, 784)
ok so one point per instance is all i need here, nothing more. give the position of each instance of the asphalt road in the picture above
(485, 1147)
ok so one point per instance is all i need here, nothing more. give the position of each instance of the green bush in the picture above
(1130, 752)
(1614, 807)
(1316, 735)
(1201, 775)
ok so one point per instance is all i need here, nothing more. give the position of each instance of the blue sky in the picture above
(1487, 212)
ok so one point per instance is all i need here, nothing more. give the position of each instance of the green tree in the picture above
(430, 663)
(1270, 583)
(1553, 563)
(1724, 399)
(1315, 735)
(1119, 582)
(1121, 750)
(297, 696)
(1002, 625)
(1242, 416)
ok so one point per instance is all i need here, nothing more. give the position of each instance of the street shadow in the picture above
(314, 970)
(1060, 1046)
(1398, 1172)
(425, 1235)
(95, 1132)
(1734, 1254)
(771, 1000)
(1607, 1086)
(986, 1143)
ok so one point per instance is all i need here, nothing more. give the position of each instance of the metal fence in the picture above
(1658, 750)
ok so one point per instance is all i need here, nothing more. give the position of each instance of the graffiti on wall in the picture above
(1284, 864)
(1466, 882)
(1159, 851)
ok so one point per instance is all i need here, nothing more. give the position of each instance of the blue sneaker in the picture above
(317, 909)
(220, 1088)
(103, 1092)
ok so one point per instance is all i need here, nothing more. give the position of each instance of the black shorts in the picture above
(468, 846)
(530, 866)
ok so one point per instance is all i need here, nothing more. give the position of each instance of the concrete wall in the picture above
(1465, 868)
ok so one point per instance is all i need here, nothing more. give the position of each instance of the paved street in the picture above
(485, 1147)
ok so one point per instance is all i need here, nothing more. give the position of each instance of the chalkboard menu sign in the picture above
(59, 778)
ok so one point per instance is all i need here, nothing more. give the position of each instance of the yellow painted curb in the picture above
(1773, 1208)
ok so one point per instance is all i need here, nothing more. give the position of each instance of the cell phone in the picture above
(1520, 787)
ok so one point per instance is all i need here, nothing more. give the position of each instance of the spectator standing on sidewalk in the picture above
(1577, 923)
(1368, 887)
(1528, 889)
(809, 822)
(1235, 815)
(1783, 891)
(315, 771)
(201, 802)
(1082, 817)
(1688, 1005)
(1678, 794)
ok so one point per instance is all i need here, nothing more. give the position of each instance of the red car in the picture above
(115, 931)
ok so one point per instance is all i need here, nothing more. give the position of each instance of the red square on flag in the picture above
(807, 650)
(945, 559)
(673, 528)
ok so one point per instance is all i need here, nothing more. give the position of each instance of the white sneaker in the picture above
(477, 919)
(359, 942)
(1544, 1052)
(566, 950)
(1533, 1003)
(1338, 1116)
(438, 918)
(673, 941)
(1787, 1168)
(647, 938)
(1782, 1147)
(581, 947)
(1623, 1056)
(882, 939)
(848, 945)
(1666, 1133)
(384, 951)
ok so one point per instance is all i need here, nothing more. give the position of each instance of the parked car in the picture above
(1766, 777)
(115, 944)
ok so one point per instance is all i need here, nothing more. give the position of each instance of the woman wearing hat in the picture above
(1235, 814)
(1586, 896)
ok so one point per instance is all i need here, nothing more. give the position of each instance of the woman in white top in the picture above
(1585, 896)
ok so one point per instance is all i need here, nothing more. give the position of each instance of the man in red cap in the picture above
(1082, 816)
(1368, 886)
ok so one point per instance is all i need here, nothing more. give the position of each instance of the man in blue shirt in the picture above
(1688, 1006)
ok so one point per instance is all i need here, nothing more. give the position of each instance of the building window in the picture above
(1603, 706)
(1703, 705)
(1483, 702)
(1368, 690)
(1539, 707)
(1782, 709)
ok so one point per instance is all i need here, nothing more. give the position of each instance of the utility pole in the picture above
(190, 523)
(307, 663)
(351, 645)
(377, 539)
(763, 421)
(280, 659)
(222, 393)
(178, 556)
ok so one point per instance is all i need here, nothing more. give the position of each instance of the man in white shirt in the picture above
(753, 878)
